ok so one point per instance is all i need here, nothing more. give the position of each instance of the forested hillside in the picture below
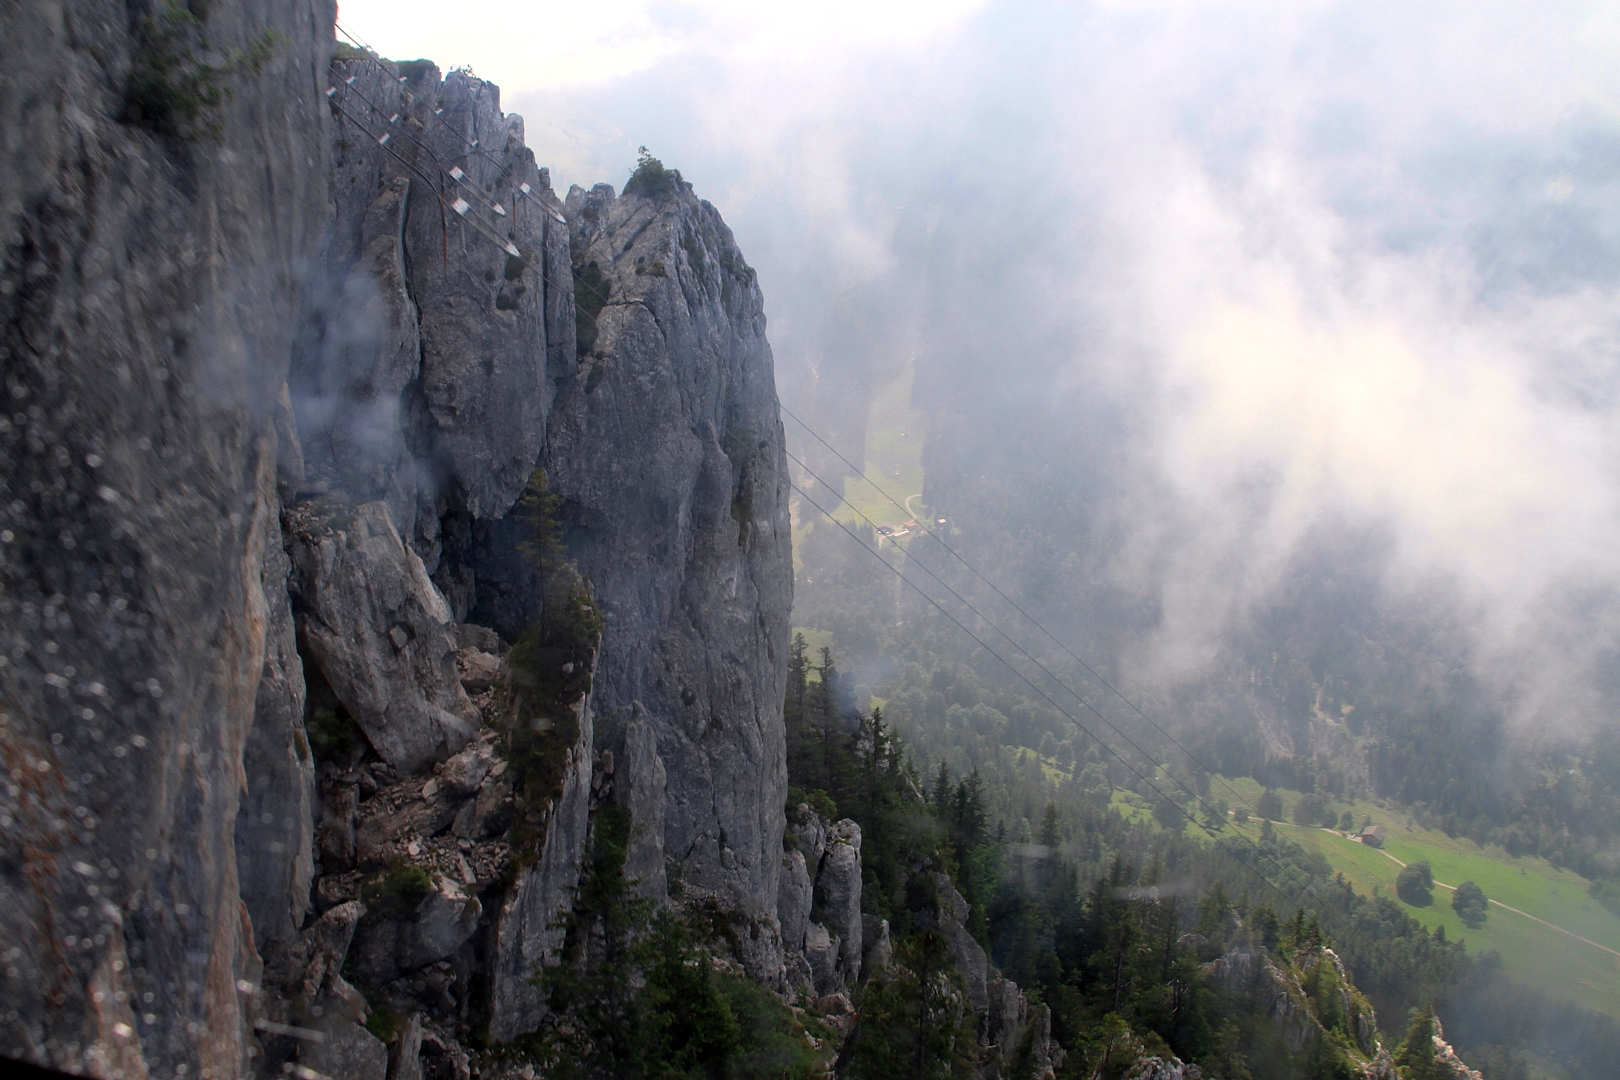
(1100, 856)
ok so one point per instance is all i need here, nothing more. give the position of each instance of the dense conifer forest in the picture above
(1118, 919)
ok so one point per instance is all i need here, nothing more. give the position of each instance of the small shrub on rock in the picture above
(397, 892)
(651, 178)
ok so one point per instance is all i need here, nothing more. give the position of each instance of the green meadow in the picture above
(1532, 952)
(893, 463)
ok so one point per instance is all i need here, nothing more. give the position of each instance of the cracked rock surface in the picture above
(274, 401)
(381, 636)
(682, 529)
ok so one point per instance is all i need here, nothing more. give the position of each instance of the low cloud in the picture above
(1309, 267)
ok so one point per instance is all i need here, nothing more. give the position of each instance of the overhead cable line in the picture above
(1180, 808)
(376, 57)
(1253, 865)
(460, 206)
(1023, 651)
(504, 245)
(1027, 616)
(1145, 780)
(524, 190)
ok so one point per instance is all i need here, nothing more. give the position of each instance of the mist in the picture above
(1237, 288)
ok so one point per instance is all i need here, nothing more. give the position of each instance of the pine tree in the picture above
(1049, 826)
(543, 546)
(1213, 910)
(939, 796)
(632, 997)
(826, 721)
(592, 981)
(795, 707)
(915, 1018)
(967, 814)
(877, 757)
(1416, 1058)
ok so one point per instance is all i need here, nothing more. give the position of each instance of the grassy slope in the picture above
(894, 445)
(1531, 952)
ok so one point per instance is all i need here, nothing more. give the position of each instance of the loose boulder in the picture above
(388, 948)
(381, 636)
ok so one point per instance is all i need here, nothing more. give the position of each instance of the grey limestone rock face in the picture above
(347, 1049)
(479, 639)
(798, 977)
(838, 885)
(524, 934)
(442, 1056)
(204, 337)
(1381, 1067)
(666, 449)
(382, 637)
(758, 948)
(1010, 1020)
(969, 954)
(311, 970)
(639, 785)
(350, 1051)
(1445, 1056)
(824, 869)
(1361, 1017)
(821, 952)
(326, 943)
(485, 813)
(380, 831)
(1158, 1068)
(465, 771)
(1048, 1056)
(276, 819)
(1278, 992)
(387, 949)
(1004, 1019)
(808, 829)
(335, 838)
(794, 897)
(150, 285)
(477, 669)
(424, 374)
(405, 1052)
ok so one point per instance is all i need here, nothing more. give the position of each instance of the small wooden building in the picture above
(1373, 836)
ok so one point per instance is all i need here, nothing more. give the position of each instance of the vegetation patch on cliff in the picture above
(650, 177)
(397, 892)
(547, 676)
(180, 80)
(591, 292)
(638, 994)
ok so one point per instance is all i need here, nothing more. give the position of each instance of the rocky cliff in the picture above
(315, 395)
(153, 230)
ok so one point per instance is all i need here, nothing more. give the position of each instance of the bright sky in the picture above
(525, 47)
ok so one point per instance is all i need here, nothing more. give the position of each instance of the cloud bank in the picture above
(1284, 265)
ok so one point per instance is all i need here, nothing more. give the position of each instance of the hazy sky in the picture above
(1360, 258)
